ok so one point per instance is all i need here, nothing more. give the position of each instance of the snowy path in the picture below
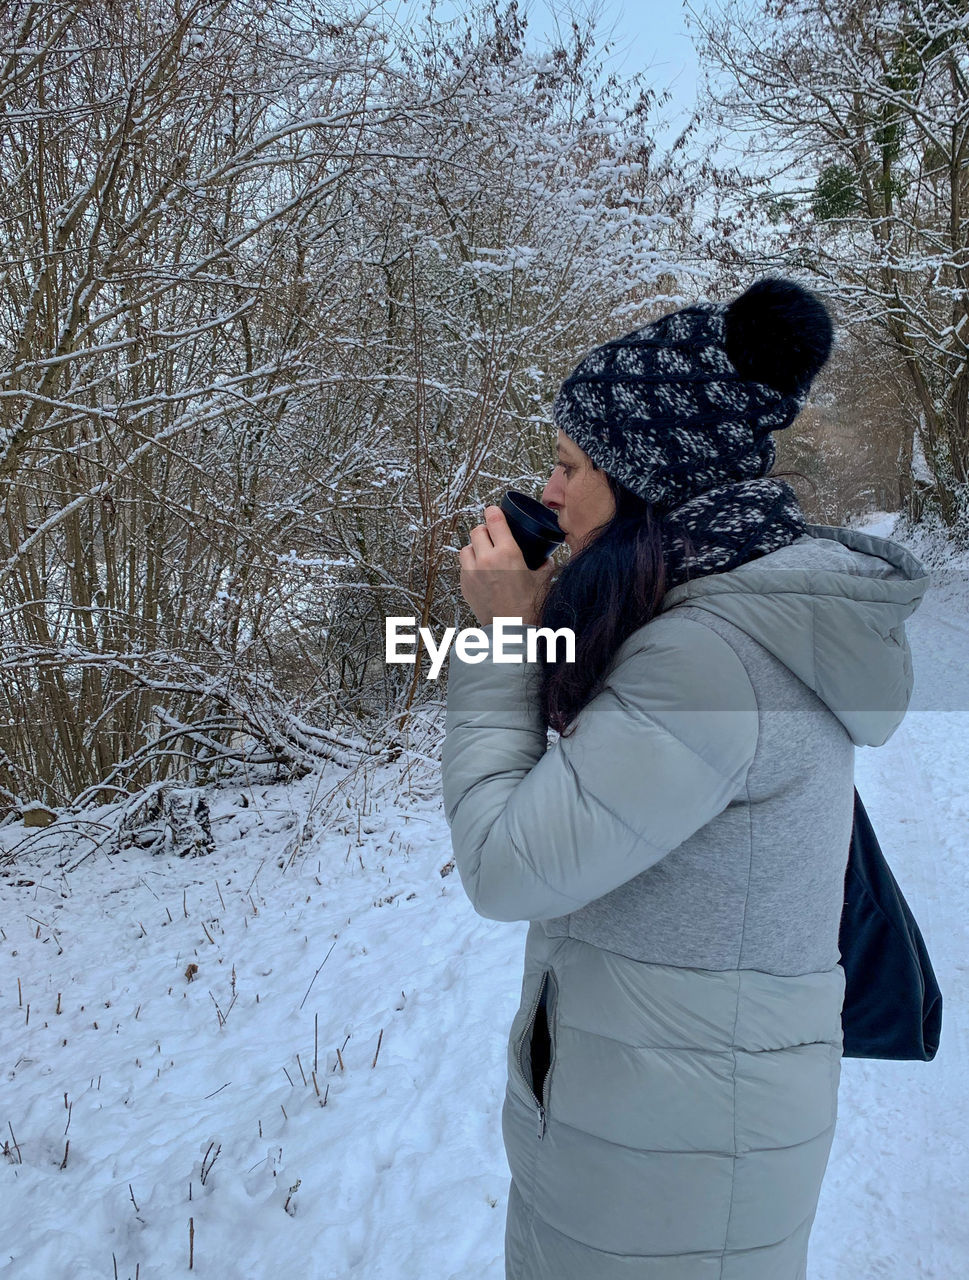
(401, 1174)
(892, 1201)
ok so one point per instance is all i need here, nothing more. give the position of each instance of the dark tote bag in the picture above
(893, 1005)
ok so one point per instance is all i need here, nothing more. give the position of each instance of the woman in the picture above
(680, 850)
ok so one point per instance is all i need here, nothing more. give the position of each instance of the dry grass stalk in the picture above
(292, 1191)
(207, 1169)
(316, 975)
(15, 1143)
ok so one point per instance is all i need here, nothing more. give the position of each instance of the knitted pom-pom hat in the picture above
(689, 401)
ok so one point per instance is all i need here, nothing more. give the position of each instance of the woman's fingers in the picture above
(485, 550)
(483, 539)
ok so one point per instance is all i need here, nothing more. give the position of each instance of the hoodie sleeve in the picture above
(540, 832)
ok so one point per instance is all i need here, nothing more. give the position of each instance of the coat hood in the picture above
(832, 607)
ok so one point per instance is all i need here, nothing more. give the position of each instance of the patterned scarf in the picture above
(729, 525)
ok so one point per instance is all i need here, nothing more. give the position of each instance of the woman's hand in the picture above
(495, 581)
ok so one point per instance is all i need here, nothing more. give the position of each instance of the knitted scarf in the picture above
(729, 525)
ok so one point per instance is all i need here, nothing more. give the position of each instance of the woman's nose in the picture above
(550, 495)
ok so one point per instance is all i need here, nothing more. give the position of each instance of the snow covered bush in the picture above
(286, 296)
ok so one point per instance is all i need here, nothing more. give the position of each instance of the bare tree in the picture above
(285, 299)
(175, 177)
(856, 114)
(849, 437)
(524, 224)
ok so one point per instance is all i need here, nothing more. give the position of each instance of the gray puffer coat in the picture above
(673, 1067)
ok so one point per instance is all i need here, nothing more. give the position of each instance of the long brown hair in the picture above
(604, 592)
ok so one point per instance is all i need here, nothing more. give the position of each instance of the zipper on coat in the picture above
(550, 1022)
(529, 1027)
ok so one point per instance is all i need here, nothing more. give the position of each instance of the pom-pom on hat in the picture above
(689, 402)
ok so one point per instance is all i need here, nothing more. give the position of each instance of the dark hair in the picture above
(604, 592)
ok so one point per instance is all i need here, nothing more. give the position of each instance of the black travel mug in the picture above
(534, 526)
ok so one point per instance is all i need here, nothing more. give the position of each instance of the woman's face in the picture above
(580, 496)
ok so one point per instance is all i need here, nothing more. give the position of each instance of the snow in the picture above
(319, 928)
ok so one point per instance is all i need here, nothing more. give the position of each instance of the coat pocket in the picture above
(535, 1052)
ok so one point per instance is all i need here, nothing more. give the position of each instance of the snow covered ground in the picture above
(289, 1056)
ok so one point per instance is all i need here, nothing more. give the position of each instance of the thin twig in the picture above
(316, 975)
(253, 880)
